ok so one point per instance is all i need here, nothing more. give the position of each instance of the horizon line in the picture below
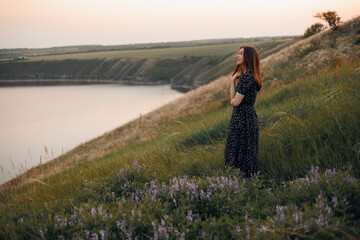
(127, 44)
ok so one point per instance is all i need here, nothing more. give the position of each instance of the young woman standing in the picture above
(242, 143)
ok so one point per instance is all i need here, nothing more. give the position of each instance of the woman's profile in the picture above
(241, 148)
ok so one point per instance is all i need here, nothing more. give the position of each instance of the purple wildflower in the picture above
(347, 178)
(42, 234)
(247, 231)
(102, 234)
(296, 216)
(307, 226)
(73, 218)
(156, 235)
(93, 212)
(121, 225)
(314, 170)
(182, 236)
(334, 200)
(94, 236)
(300, 218)
(328, 209)
(170, 228)
(330, 172)
(100, 210)
(62, 221)
(135, 164)
(21, 221)
(189, 217)
(86, 233)
(320, 220)
(280, 212)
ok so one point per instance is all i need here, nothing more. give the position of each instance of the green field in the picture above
(218, 49)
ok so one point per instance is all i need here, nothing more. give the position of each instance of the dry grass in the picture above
(316, 51)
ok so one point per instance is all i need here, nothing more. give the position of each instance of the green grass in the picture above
(312, 121)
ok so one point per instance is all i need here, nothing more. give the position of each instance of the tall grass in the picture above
(311, 121)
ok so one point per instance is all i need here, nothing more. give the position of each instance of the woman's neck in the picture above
(244, 69)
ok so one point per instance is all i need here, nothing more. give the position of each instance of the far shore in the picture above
(49, 82)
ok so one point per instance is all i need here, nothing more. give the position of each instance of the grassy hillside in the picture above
(175, 184)
(309, 55)
(211, 94)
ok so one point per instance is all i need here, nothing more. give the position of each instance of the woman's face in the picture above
(240, 57)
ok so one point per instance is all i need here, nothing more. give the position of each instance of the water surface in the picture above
(62, 117)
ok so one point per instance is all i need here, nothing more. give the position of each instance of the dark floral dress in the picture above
(241, 148)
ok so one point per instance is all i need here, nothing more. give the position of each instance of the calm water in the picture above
(62, 117)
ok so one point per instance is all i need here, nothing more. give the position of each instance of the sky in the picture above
(51, 23)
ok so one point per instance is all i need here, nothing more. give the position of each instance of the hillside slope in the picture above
(308, 55)
(174, 184)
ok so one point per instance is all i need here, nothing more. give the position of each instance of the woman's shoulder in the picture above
(248, 75)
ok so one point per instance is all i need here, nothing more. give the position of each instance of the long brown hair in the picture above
(252, 64)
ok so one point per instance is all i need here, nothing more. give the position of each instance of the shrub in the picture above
(313, 29)
(331, 17)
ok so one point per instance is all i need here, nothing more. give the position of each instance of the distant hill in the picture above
(184, 67)
(31, 52)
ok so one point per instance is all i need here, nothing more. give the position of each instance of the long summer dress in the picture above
(241, 148)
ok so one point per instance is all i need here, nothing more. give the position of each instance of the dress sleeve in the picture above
(245, 83)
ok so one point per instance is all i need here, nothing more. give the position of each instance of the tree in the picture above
(331, 17)
(315, 28)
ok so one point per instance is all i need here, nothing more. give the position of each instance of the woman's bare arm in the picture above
(235, 97)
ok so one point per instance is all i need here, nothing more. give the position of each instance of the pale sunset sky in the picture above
(50, 23)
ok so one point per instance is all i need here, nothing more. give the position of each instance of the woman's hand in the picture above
(236, 75)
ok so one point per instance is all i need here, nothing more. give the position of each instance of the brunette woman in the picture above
(242, 143)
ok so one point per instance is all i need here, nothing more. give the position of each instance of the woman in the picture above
(241, 149)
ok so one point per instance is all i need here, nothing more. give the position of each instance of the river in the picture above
(62, 117)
